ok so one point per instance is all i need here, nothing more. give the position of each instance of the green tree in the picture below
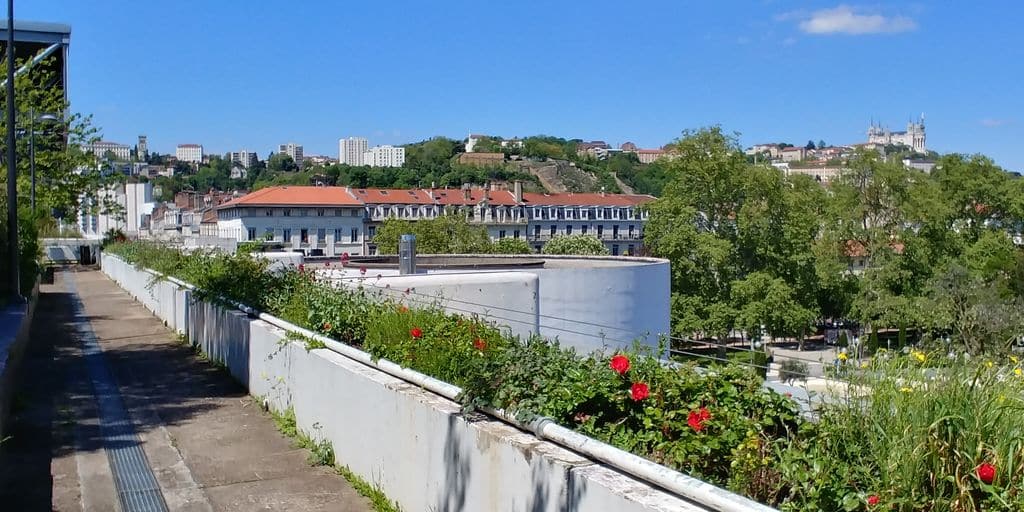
(512, 246)
(581, 245)
(445, 234)
(281, 162)
(760, 299)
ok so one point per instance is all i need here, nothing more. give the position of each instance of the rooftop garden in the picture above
(924, 429)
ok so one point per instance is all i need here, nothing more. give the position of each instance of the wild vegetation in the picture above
(928, 428)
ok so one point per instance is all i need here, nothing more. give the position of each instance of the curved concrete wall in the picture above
(417, 446)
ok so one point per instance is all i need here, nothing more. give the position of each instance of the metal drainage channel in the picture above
(137, 488)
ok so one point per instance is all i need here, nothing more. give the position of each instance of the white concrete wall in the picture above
(415, 445)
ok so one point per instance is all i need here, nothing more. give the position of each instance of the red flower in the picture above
(327, 263)
(479, 344)
(697, 418)
(986, 472)
(344, 256)
(302, 268)
(872, 500)
(639, 391)
(362, 270)
(327, 326)
(620, 364)
(416, 333)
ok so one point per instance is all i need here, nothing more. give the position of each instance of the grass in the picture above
(321, 453)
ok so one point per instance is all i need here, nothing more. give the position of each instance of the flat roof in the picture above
(37, 31)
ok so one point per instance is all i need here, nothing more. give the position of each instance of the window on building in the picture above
(515, 234)
(631, 227)
(287, 236)
(304, 235)
(355, 212)
(321, 235)
(615, 232)
(554, 229)
(354, 235)
(568, 229)
(615, 250)
(371, 232)
(600, 230)
(303, 212)
(337, 236)
(584, 229)
(287, 212)
(270, 212)
(268, 233)
(536, 231)
(319, 212)
(501, 233)
(630, 250)
(252, 234)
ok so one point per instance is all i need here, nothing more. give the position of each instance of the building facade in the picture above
(121, 152)
(914, 137)
(244, 158)
(384, 156)
(142, 148)
(350, 150)
(192, 153)
(293, 150)
(331, 220)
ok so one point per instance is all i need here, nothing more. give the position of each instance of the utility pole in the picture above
(12, 168)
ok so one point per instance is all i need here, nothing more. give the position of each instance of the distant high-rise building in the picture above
(192, 153)
(293, 150)
(142, 148)
(350, 150)
(244, 158)
(384, 156)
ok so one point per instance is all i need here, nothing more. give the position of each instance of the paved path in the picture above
(206, 443)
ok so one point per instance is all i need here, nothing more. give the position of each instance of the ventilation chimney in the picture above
(517, 188)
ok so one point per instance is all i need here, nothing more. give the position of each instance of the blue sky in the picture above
(234, 74)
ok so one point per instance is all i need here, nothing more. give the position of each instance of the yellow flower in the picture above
(1014, 360)
(1017, 372)
(1002, 398)
(906, 389)
(864, 364)
(989, 364)
(919, 356)
(842, 356)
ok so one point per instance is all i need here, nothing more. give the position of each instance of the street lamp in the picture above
(43, 119)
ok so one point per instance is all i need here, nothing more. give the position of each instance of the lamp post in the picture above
(43, 118)
(12, 174)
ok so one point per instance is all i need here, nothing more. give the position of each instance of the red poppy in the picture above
(403, 309)
(327, 326)
(986, 472)
(620, 364)
(697, 418)
(362, 270)
(479, 344)
(302, 268)
(344, 256)
(416, 332)
(639, 391)
(327, 263)
(872, 500)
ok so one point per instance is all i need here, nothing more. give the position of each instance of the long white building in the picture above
(340, 219)
(244, 158)
(192, 153)
(350, 150)
(384, 156)
(121, 152)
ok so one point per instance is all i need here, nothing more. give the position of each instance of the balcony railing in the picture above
(606, 237)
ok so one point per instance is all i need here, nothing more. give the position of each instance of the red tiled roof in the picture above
(651, 151)
(296, 195)
(392, 196)
(209, 217)
(457, 197)
(585, 199)
(855, 249)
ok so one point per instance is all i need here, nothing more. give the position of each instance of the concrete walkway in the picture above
(209, 446)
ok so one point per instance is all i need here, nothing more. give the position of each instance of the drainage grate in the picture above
(137, 488)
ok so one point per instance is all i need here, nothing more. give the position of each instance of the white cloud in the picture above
(847, 20)
(994, 123)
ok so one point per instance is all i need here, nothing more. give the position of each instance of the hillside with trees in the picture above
(883, 246)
